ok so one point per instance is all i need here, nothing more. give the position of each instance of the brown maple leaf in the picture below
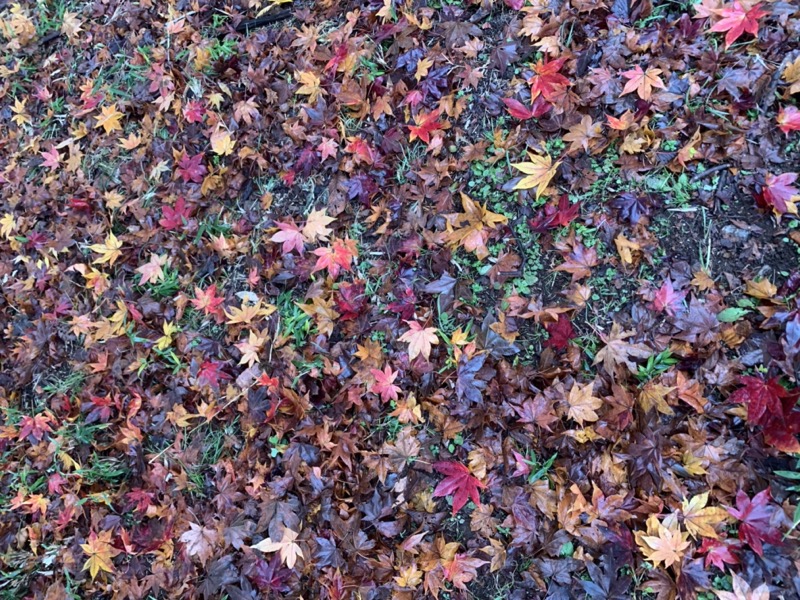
(619, 352)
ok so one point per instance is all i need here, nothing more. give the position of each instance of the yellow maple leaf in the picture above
(221, 142)
(100, 551)
(7, 225)
(626, 248)
(21, 116)
(109, 251)
(165, 341)
(654, 395)
(583, 404)
(310, 85)
(109, 119)
(700, 520)
(763, 289)
(248, 312)
(539, 170)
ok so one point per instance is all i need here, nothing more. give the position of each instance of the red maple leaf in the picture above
(210, 373)
(34, 428)
(175, 217)
(351, 300)
(758, 520)
(384, 383)
(777, 193)
(191, 168)
(736, 20)
(547, 80)
(425, 125)
(554, 216)
(788, 119)
(207, 300)
(518, 110)
(561, 332)
(771, 406)
(336, 258)
(762, 397)
(720, 552)
(667, 299)
(194, 111)
(459, 482)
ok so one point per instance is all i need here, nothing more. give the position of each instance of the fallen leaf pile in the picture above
(400, 299)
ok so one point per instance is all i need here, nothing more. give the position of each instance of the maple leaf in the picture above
(316, 227)
(100, 551)
(473, 227)
(410, 577)
(583, 404)
(462, 569)
(700, 520)
(584, 134)
(420, 340)
(221, 142)
(191, 168)
(250, 348)
(34, 428)
(153, 270)
(779, 194)
(194, 111)
(539, 170)
(788, 119)
(668, 546)
(425, 125)
(207, 300)
(547, 80)
(653, 395)
(762, 397)
(719, 552)
(52, 160)
(560, 332)
(384, 383)
(742, 591)
(642, 82)
(666, 299)
(287, 547)
(737, 20)
(109, 251)
(199, 541)
(554, 216)
(210, 373)
(248, 312)
(109, 119)
(579, 262)
(290, 236)
(336, 258)
(459, 483)
(757, 519)
(175, 217)
(617, 351)
(310, 86)
(518, 110)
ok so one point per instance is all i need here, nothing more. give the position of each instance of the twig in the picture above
(708, 172)
(246, 26)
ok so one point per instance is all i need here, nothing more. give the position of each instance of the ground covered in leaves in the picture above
(399, 299)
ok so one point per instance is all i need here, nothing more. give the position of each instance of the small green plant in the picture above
(656, 365)
(538, 469)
